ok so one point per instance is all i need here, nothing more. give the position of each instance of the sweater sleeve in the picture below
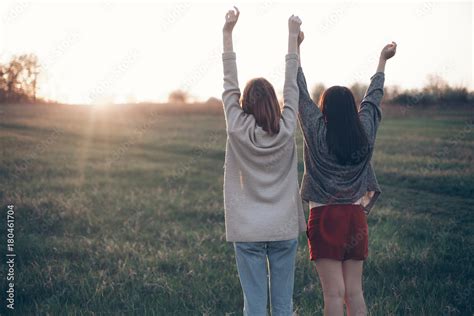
(308, 111)
(370, 112)
(231, 95)
(290, 92)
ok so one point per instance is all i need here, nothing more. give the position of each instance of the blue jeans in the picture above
(262, 265)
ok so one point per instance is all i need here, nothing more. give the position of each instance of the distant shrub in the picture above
(454, 95)
(178, 96)
(448, 95)
(214, 101)
(411, 98)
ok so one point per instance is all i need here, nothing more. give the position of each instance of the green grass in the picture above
(119, 211)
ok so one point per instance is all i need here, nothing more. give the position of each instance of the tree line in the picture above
(19, 83)
(436, 91)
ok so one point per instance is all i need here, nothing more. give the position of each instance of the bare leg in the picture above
(332, 281)
(352, 272)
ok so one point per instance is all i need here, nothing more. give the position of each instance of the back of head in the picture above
(260, 100)
(345, 135)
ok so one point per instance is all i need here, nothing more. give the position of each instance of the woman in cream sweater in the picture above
(263, 211)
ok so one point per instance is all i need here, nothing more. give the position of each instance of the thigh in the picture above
(281, 262)
(352, 272)
(282, 252)
(251, 259)
(281, 259)
(251, 262)
(331, 276)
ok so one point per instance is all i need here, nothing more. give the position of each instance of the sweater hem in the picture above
(263, 238)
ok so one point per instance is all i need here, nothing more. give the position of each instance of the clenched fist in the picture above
(231, 19)
(389, 51)
(294, 24)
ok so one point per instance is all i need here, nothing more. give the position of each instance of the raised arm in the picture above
(370, 112)
(231, 94)
(290, 89)
(308, 111)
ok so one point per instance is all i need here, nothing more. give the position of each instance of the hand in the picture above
(388, 51)
(300, 38)
(231, 19)
(294, 24)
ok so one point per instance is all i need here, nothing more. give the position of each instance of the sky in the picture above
(122, 51)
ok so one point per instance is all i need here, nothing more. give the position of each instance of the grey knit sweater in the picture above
(261, 197)
(325, 180)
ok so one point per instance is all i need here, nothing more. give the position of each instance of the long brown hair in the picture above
(260, 100)
(345, 135)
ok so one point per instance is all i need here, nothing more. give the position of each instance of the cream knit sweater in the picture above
(261, 197)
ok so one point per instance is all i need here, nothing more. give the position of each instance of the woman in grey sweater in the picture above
(263, 211)
(340, 184)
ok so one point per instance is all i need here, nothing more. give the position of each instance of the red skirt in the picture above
(338, 231)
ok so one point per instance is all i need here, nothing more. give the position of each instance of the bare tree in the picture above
(358, 90)
(30, 79)
(18, 79)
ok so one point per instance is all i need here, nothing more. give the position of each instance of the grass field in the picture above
(119, 211)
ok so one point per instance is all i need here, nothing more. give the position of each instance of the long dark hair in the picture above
(260, 100)
(345, 135)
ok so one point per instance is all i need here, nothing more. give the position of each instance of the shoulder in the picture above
(244, 123)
